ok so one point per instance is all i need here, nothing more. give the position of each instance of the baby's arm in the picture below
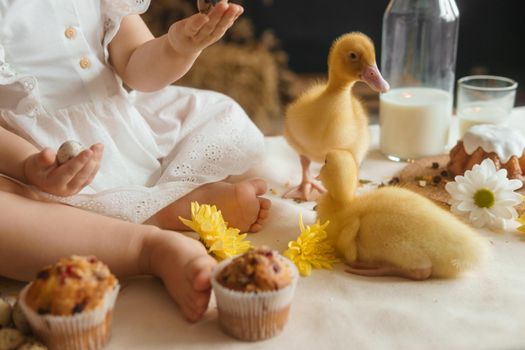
(13, 152)
(21, 160)
(148, 64)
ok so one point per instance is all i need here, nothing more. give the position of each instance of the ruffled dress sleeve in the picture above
(29, 104)
(113, 11)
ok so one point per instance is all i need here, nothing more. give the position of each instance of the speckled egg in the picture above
(68, 150)
(5, 313)
(205, 6)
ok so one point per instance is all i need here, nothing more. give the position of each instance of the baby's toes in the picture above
(198, 272)
(259, 185)
(194, 304)
(190, 313)
(264, 211)
(263, 215)
(201, 301)
(255, 228)
(265, 203)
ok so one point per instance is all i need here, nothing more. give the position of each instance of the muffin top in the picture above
(71, 286)
(258, 270)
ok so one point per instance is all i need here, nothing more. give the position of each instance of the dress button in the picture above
(70, 33)
(84, 63)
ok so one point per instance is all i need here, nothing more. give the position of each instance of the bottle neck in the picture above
(446, 9)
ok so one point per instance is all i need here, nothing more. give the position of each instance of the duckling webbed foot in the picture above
(366, 269)
(309, 189)
(306, 191)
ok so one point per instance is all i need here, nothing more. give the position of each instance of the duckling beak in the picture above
(374, 79)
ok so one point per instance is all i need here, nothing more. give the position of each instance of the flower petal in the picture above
(503, 212)
(466, 206)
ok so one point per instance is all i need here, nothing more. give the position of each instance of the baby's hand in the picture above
(42, 171)
(193, 34)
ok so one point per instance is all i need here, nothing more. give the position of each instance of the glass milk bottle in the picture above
(418, 59)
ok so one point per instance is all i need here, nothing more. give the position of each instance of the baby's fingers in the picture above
(192, 25)
(83, 177)
(89, 171)
(227, 20)
(62, 175)
(45, 159)
(215, 16)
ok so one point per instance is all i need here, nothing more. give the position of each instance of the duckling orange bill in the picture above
(371, 76)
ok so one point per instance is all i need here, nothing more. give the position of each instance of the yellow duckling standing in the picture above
(392, 231)
(327, 116)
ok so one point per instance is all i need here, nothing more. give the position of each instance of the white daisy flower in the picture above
(485, 195)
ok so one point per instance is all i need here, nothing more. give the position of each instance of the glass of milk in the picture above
(414, 122)
(484, 99)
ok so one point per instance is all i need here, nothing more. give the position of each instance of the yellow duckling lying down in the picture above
(392, 231)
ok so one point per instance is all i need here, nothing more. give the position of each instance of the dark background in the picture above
(491, 34)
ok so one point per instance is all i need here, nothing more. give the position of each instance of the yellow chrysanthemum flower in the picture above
(220, 240)
(230, 244)
(312, 249)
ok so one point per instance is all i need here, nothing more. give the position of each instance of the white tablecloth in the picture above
(484, 309)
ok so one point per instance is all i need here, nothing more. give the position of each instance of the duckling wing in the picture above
(302, 120)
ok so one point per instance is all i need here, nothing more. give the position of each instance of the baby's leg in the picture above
(240, 203)
(35, 233)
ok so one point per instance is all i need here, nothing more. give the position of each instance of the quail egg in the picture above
(68, 150)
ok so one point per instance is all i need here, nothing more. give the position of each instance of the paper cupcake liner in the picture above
(253, 316)
(89, 330)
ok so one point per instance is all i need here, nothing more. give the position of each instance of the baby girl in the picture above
(150, 152)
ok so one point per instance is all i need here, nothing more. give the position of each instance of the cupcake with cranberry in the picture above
(69, 305)
(254, 292)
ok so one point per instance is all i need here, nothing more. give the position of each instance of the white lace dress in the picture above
(56, 85)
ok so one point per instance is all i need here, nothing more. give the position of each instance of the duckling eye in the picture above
(353, 56)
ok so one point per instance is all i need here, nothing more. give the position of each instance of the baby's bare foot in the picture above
(185, 268)
(240, 204)
(243, 208)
